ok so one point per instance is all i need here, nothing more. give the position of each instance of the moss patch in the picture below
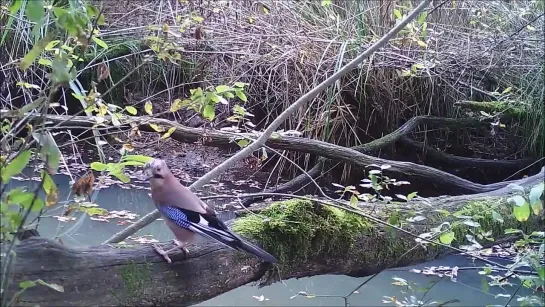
(507, 108)
(482, 210)
(135, 279)
(295, 230)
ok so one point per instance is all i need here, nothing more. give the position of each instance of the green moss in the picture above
(135, 278)
(481, 211)
(507, 108)
(295, 230)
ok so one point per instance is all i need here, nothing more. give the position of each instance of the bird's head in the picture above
(156, 170)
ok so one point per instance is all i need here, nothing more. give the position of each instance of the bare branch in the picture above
(120, 236)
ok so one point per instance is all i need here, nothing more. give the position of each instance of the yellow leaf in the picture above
(156, 128)
(51, 198)
(176, 105)
(148, 107)
(507, 90)
(530, 28)
(128, 147)
(168, 133)
(422, 44)
(132, 110)
(115, 119)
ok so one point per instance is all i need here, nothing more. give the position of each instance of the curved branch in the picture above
(136, 275)
(352, 156)
(464, 161)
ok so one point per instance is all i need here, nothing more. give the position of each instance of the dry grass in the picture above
(474, 48)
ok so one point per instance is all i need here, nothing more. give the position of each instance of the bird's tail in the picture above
(231, 240)
(254, 250)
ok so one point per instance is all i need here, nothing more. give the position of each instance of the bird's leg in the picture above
(162, 252)
(181, 246)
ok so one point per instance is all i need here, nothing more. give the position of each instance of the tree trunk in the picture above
(120, 274)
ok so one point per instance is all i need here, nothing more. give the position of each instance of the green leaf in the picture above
(115, 120)
(412, 195)
(168, 133)
(209, 112)
(484, 285)
(92, 11)
(222, 88)
(100, 42)
(121, 176)
(177, 104)
(497, 217)
(36, 50)
(240, 84)
(240, 94)
(522, 212)
(507, 90)
(422, 17)
(137, 158)
(45, 62)
(518, 200)
(535, 198)
(48, 184)
(15, 6)
(98, 166)
(243, 143)
(94, 211)
(55, 287)
(326, 2)
(198, 19)
(397, 14)
(49, 152)
(447, 237)
(394, 218)
(52, 44)
(512, 231)
(26, 200)
(156, 127)
(27, 284)
(148, 107)
(131, 110)
(35, 10)
(228, 95)
(60, 70)
(16, 166)
(354, 201)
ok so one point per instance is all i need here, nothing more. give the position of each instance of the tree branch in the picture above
(245, 152)
(136, 275)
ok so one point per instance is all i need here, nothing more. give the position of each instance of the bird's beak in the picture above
(147, 172)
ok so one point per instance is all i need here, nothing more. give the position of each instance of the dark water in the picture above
(86, 232)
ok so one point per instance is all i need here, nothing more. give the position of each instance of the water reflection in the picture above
(86, 232)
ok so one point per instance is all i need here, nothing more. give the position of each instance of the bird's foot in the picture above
(181, 246)
(162, 252)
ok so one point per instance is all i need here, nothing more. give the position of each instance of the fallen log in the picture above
(121, 274)
(449, 159)
(354, 156)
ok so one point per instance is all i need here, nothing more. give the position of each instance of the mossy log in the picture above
(354, 156)
(449, 159)
(507, 109)
(308, 239)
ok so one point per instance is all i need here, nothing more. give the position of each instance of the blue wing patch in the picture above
(175, 215)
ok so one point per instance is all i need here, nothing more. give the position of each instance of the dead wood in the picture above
(354, 156)
(114, 274)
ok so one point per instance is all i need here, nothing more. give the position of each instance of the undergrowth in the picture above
(464, 50)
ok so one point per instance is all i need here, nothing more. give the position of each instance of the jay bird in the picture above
(188, 216)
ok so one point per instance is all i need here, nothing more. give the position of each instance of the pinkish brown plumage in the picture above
(188, 216)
